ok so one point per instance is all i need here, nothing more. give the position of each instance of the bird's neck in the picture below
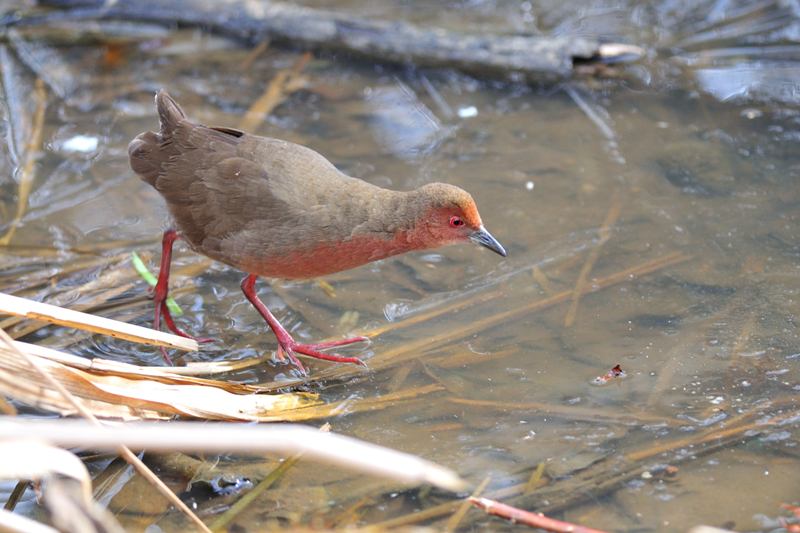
(403, 216)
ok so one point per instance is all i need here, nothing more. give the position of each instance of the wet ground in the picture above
(667, 195)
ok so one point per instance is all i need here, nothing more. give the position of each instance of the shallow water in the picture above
(689, 155)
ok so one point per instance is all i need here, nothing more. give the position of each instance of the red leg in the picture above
(287, 344)
(161, 292)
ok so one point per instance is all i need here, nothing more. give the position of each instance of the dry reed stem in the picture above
(543, 281)
(569, 412)
(253, 54)
(604, 233)
(27, 174)
(45, 277)
(361, 405)
(126, 454)
(32, 326)
(350, 514)
(536, 478)
(165, 374)
(84, 248)
(132, 393)
(275, 93)
(75, 319)
(226, 437)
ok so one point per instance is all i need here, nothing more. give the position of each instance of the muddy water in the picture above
(670, 203)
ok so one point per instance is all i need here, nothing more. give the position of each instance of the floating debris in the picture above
(615, 372)
(468, 112)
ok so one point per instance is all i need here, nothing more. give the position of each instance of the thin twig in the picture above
(245, 501)
(274, 94)
(568, 412)
(528, 518)
(16, 494)
(27, 174)
(253, 54)
(453, 522)
(604, 233)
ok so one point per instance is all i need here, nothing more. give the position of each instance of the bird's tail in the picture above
(149, 150)
(170, 113)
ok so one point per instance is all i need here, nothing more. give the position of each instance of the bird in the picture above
(279, 210)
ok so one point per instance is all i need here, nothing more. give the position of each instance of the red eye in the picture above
(456, 222)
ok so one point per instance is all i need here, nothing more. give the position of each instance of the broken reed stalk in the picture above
(27, 174)
(604, 234)
(126, 454)
(32, 326)
(16, 495)
(67, 317)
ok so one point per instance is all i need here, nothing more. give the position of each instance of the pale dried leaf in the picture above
(33, 459)
(136, 396)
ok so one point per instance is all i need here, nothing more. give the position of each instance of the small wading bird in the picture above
(280, 210)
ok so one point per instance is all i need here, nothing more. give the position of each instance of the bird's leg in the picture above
(287, 344)
(161, 291)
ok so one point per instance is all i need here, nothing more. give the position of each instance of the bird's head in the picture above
(448, 215)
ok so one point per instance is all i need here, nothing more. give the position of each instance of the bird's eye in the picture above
(456, 222)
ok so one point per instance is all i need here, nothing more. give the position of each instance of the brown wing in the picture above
(238, 198)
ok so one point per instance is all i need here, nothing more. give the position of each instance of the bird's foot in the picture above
(290, 348)
(340, 342)
(173, 327)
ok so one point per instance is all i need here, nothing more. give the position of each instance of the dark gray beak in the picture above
(484, 238)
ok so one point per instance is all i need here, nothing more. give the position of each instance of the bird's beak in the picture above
(484, 238)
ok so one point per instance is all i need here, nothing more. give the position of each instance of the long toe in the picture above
(282, 353)
(340, 342)
(311, 350)
(166, 357)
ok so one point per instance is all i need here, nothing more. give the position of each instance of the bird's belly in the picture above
(323, 259)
